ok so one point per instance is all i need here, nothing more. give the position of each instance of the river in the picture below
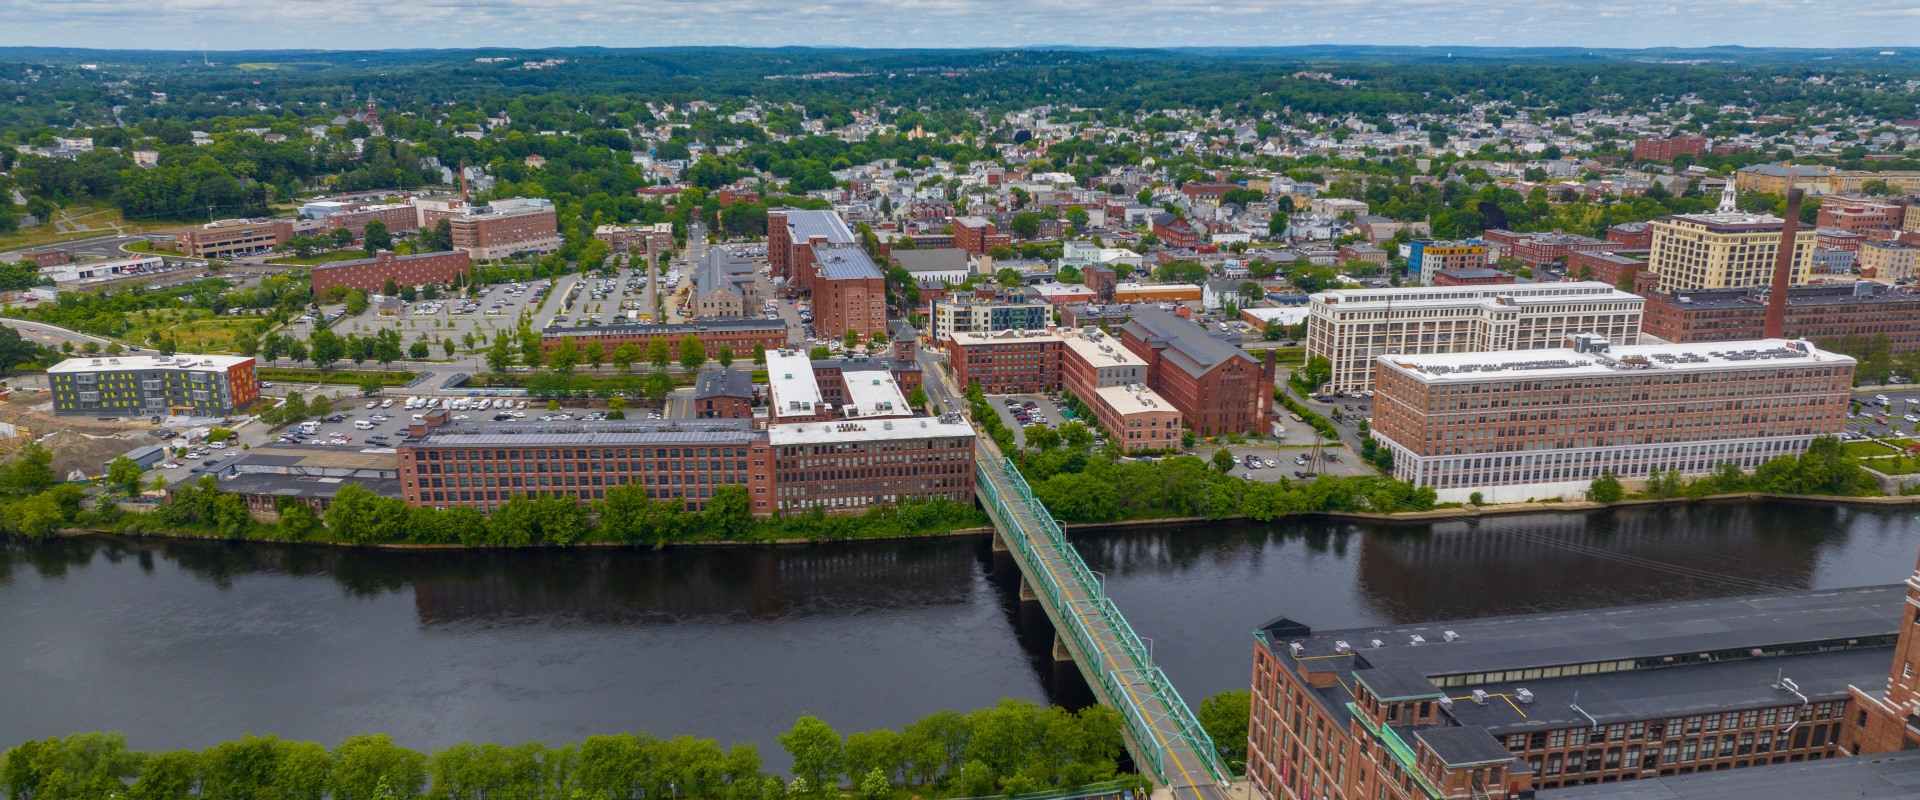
(186, 643)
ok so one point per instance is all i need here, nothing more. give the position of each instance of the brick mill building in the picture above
(1091, 365)
(817, 254)
(1506, 707)
(371, 274)
(1217, 386)
(1519, 425)
(977, 235)
(1864, 308)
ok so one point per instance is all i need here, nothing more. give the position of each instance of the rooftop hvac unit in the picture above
(1479, 697)
(1523, 695)
(1446, 703)
(1295, 648)
(1376, 644)
(1342, 647)
(1416, 639)
(1450, 636)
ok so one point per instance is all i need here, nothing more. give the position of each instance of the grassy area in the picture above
(196, 330)
(319, 258)
(99, 220)
(1868, 449)
(351, 377)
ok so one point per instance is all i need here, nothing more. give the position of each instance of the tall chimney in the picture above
(1776, 327)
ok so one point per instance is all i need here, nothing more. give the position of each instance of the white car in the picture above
(373, 404)
(387, 403)
(461, 418)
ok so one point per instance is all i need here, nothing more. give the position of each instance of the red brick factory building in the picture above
(371, 274)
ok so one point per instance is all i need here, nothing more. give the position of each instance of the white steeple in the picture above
(1726, 199)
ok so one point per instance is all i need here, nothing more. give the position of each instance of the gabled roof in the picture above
(1188, 346)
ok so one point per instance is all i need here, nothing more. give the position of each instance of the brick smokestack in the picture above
(1776, 326)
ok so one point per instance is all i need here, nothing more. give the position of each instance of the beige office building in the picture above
(1724, 250)
(1351, 328)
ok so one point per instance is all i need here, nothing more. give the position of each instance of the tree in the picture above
(616, 407)
(328, 348)
(819, 352)
(595, 353)
(565, 357)
(124, 475)
(725, 357)
(15, 350)
(659, 353)
(392, 286)
(31, 470)
(917, 398)
(419, 351)
(816, 749)
(1223, 460)
(692, 352)
(759, 353)
(377, 237)
(625, 355)
(1224, 717)
(850, 340)
(342, 237)
(499, 354)
(1606, 489)
(371, 385)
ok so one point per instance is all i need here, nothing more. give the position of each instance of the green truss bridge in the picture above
(1161, 732)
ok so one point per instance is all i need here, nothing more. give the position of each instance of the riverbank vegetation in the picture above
(1826, 468)
(358, 516)
(1013, 747)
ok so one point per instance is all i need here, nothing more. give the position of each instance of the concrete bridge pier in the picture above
(1027, 595)
(1060, 652)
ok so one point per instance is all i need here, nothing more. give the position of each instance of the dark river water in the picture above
(182, 644)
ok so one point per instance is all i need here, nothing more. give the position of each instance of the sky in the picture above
(379, 24)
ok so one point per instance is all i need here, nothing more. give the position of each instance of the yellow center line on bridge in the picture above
(1165, 747)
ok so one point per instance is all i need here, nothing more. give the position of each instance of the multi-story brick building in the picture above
(647, 239)
(723, 394)
(1350, 328)
(371, 274)
(1537, 249)
(849, 293)
(1514, 426)
(1865, 309)
(1175, 231)
(739, 334)
(852, 465)
(1010, 361)
(1102, 279)
(398, 217)
(977, 235)
(723, 286)
(139, 386)
(507, 227)
(1507, 707)
(1206, 192)
(792, 234)
(1854, 214)
(229, 238)
(1667, 149)
(1630, 236)
(1217, 386)
(1888, 260)
(1609, 267)
(1477, 276)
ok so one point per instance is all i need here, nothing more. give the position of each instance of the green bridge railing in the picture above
(1156, 716)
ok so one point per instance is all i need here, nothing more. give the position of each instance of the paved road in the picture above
(91, 247)
(51, 335)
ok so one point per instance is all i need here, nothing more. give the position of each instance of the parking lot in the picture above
(1021, 411)
(458, 319)
(1885, 413)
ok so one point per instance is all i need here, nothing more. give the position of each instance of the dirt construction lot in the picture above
(81, 443)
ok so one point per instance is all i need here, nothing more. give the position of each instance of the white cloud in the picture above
(358, 24)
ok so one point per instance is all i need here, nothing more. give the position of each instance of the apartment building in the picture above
(1856, 214)
(850, 465)
(398, 217)
(849, 293)
(967, 313)
(1217, 386)
(1667, 149)
(1427, 256)
(739, 334)
(138, 386)
(1352, 327)
(371, 274)
(1009, 361)
(1723, 250)
(1514, 426)
(1514, 707)
(1816, 313)
(507, 227)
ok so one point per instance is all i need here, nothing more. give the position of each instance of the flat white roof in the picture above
(1618, 361)
(1009, 335)
(873, 393)
(871, 430)
(1130, 401)
(183, 362)
(795, 393)
(1107, 351)
(1463, 296)
(1290, 315)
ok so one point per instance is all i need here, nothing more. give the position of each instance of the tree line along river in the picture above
(182, 644)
